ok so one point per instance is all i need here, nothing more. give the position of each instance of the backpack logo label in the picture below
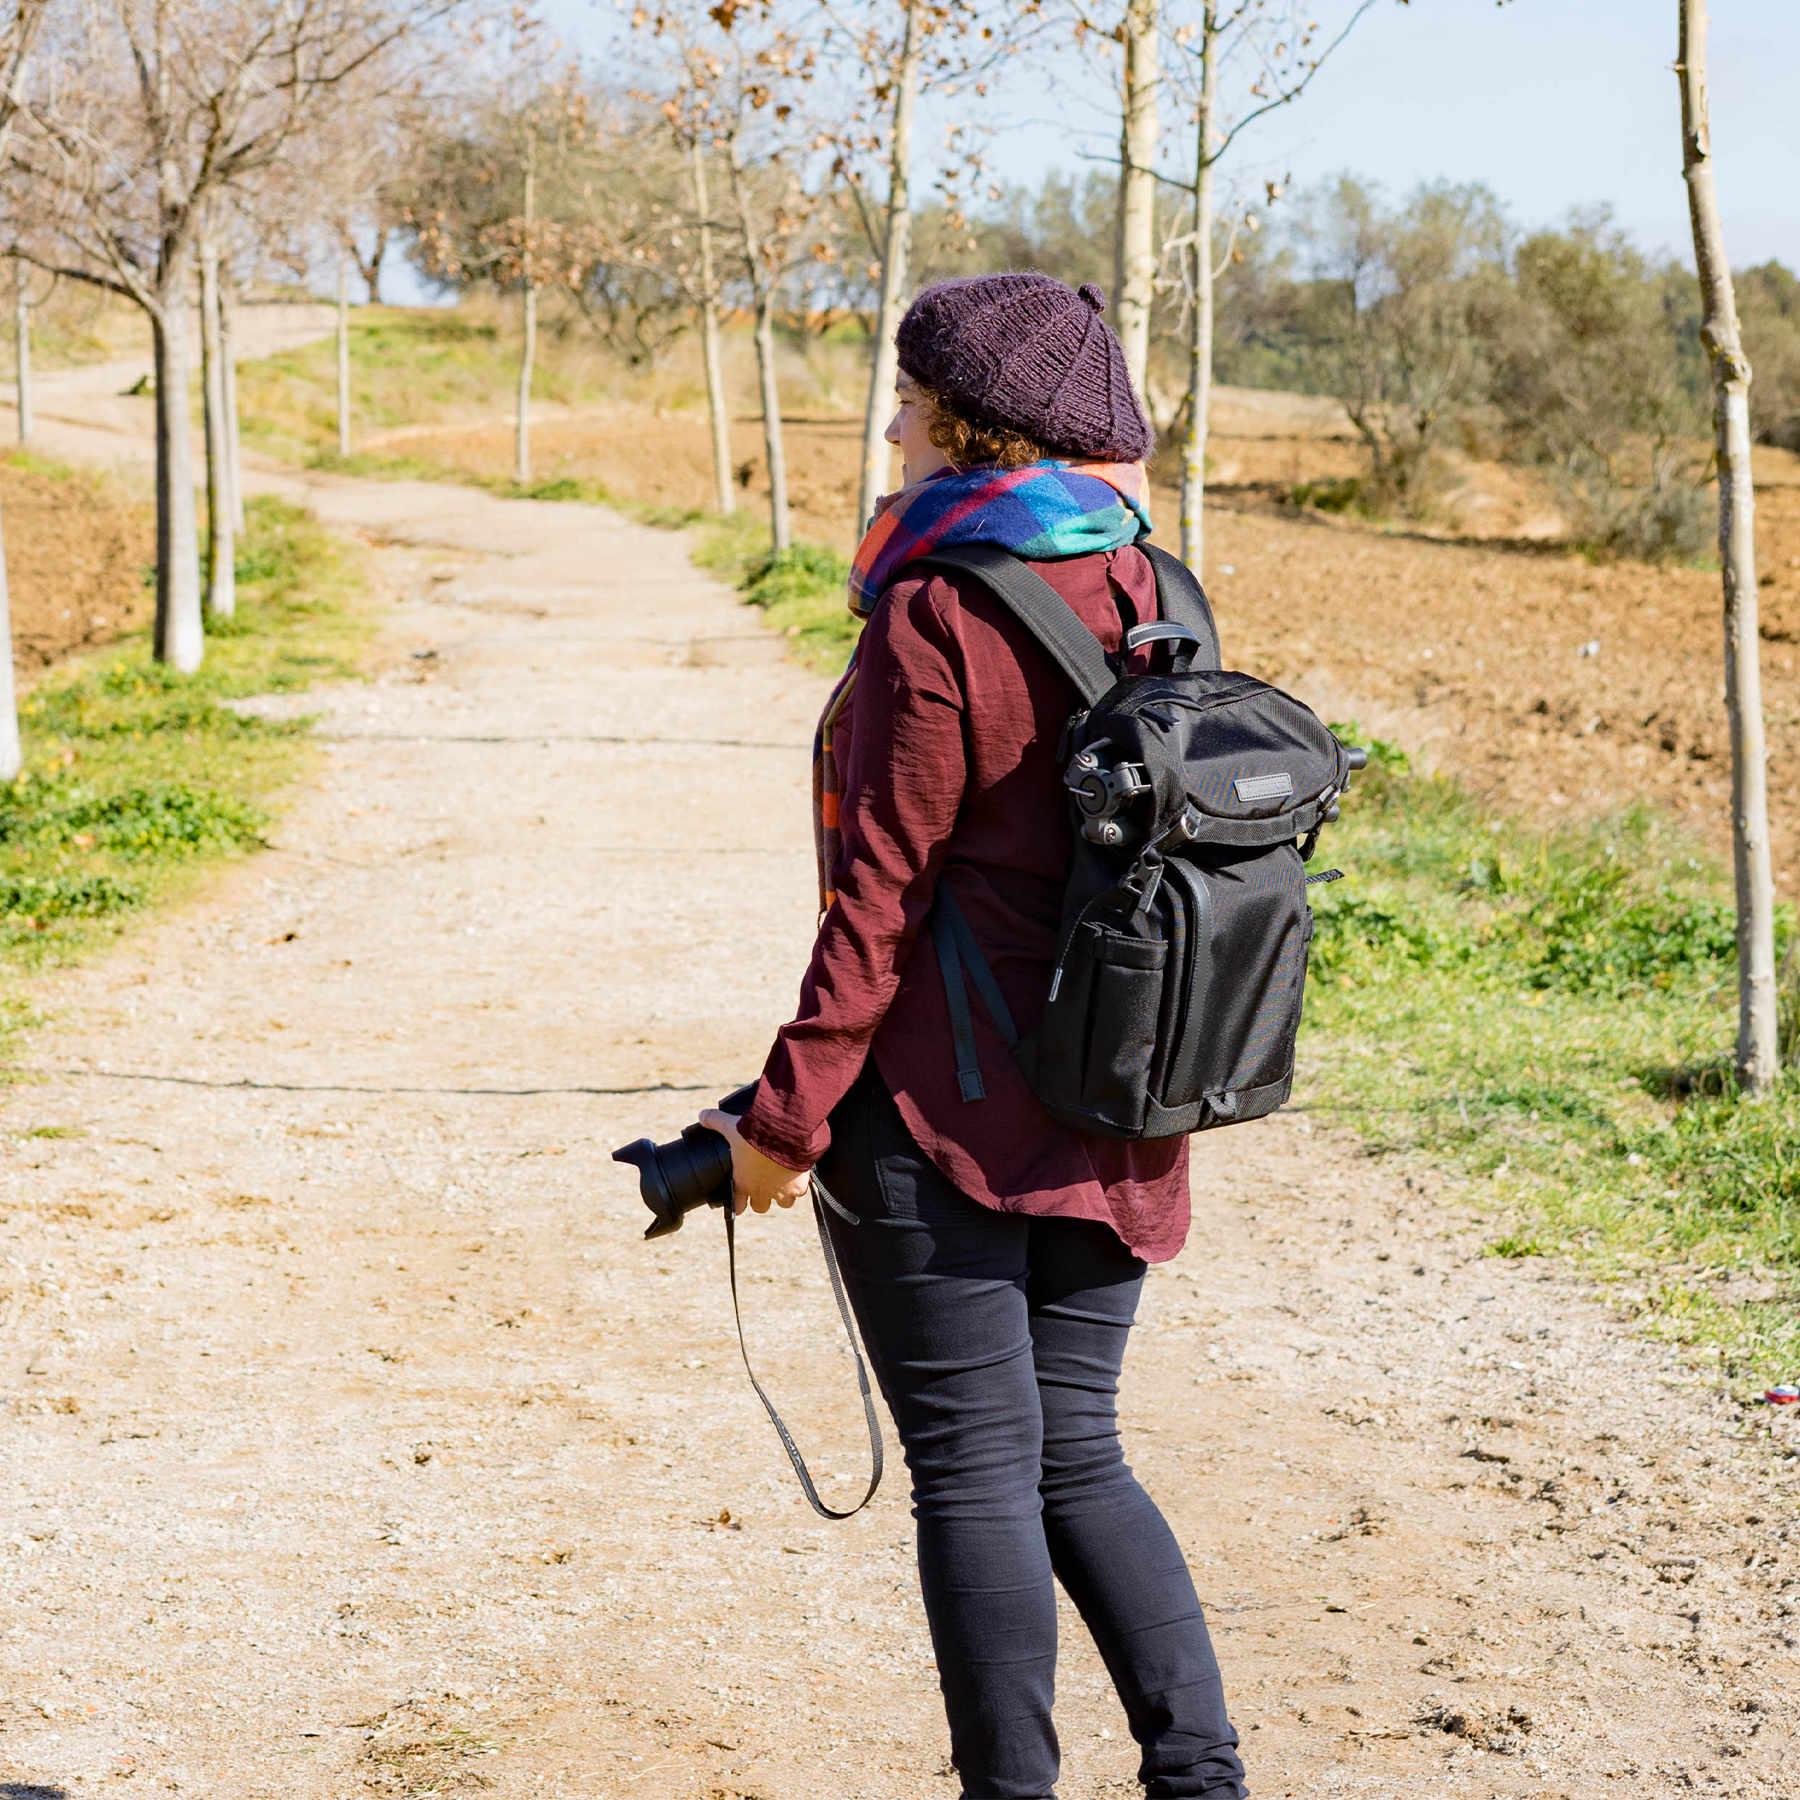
(1249, 788)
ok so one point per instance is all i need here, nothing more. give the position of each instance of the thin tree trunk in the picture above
(221, 546)
(780, 533)
(234, 454)
(762, 289)
(371, 272)
(1200, 359)
(12, 757)
(1134, 257)
(527, 356)
(1757, 1044)
(343, 356)
(876, 458)
(180, 638)
(528, 349)
(709, 340)
(22, 355)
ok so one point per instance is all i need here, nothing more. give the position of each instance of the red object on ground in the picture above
(1782, 1396)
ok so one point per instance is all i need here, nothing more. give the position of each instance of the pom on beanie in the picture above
(1028, 353)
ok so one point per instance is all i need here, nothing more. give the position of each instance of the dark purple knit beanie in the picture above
(1027, 353)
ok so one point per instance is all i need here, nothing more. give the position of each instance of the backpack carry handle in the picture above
(1181, 597)
(1165, 631)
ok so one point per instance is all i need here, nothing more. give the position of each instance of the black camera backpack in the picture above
(1196, 796)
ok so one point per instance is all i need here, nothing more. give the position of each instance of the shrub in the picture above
(1354, 933)
(161, 817)
(1597, 939)
(1337, 494)
(802, 572)
(1673, 520)
(560, 487)
(29, 901)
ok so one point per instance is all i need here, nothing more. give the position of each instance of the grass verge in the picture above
(800, 591)
(136, 778)
(1551, 1013)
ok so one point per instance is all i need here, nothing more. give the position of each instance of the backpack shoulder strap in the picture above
(1183, 599)
(1038, 607)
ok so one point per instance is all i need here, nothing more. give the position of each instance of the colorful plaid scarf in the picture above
(1042, 511)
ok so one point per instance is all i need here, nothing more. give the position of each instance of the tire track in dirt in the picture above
(358, 1447)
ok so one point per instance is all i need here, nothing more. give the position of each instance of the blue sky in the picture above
(1552, 103)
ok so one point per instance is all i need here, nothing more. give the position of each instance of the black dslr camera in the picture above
(689, 1171)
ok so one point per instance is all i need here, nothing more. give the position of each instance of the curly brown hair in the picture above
(967, 442)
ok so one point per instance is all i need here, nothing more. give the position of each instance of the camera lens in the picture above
(689, 1171)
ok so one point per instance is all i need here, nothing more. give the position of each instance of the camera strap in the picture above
(820, 1199)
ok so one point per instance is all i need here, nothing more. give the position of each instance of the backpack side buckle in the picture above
(1142, 880)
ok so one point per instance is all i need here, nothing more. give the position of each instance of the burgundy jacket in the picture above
(947, 752)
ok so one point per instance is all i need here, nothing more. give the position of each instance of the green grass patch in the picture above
(137, 777)
(1552, 1013)
(801, 590)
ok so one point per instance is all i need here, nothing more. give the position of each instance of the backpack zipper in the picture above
(1176, 703)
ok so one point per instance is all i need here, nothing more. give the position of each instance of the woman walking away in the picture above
(997, 1257)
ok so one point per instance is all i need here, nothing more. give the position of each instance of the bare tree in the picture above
(768, 212)
(741, 78)
(943, 47)
(1279, 41)
(341, 334)
(24, 304)
(528, 291)
(752, 88)
(1134, 255)
(1757, 1043)
(19, 31)
(153, 107)
(221, 521)
(717, 412)
(514, 196)
(238, 230)
(662, 247)
(234, 454)
(895, 251)
(370, 174)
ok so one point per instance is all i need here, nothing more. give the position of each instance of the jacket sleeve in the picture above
(904, 768)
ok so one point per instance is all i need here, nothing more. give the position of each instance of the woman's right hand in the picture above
(757, 1181)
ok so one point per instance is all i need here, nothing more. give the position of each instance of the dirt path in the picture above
(356, 1446)
(89, 413)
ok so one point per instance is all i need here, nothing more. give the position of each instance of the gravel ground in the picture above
(356, 1445)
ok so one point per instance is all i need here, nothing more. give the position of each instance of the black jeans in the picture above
(997, 1339)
